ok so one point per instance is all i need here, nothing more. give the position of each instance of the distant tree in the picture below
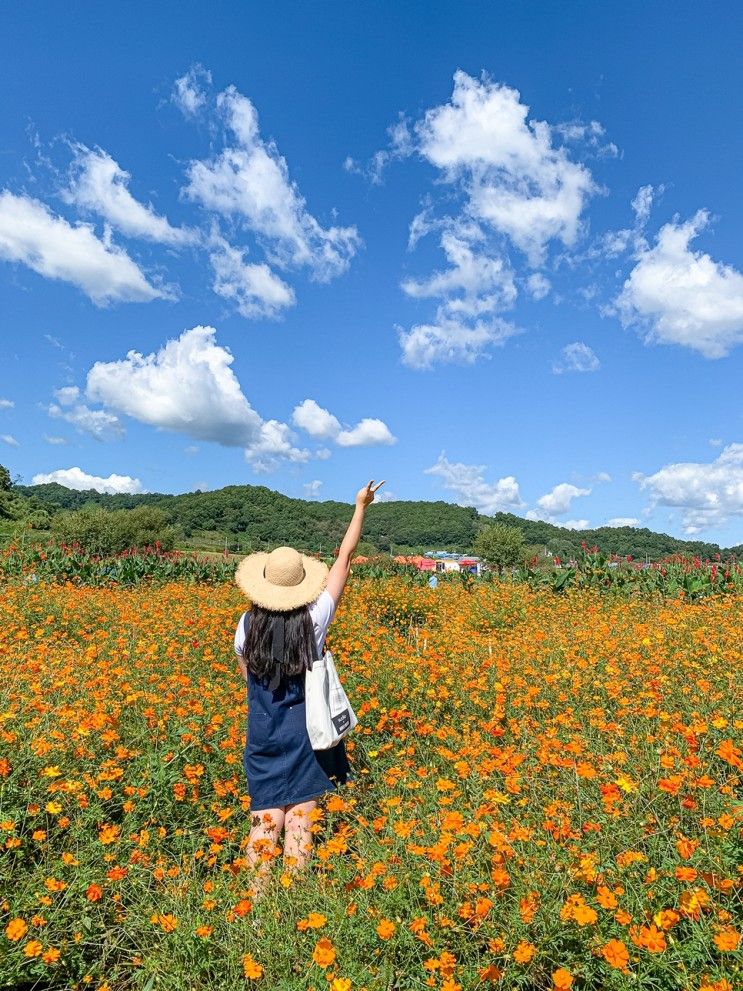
(6, 483)
(500, 546)
(102, 532)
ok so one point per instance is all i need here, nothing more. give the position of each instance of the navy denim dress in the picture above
(280, 765)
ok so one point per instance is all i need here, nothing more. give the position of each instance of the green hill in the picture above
(261, 518)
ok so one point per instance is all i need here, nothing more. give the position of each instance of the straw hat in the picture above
(281, 580)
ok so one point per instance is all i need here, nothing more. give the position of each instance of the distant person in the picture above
(433, 581)
(294, 599)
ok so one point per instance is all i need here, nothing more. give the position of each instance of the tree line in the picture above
(258, 518)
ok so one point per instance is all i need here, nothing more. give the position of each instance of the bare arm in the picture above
(342, 568)
(242, 666)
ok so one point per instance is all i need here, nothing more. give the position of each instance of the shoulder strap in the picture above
(313, 647)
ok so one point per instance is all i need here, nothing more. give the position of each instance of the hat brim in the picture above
(280, 598)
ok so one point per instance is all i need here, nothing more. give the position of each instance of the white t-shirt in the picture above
(322, 611)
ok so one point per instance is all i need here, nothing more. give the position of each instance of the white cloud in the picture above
(603, 476)
(591, 134)
(450, 340)
(538, 285)
(6, 404)
(99, 424)
(99, 184)
(188, 387)
(272, 447)
(576, 357)
(516, 183)
(560, 499)
(681, 296)
(514, 177)
(32, 235)
(614, 243)
(467, 482)
(9, 440)
(715, 442)
(323, 453)
(315, 420)
(57, 441)
(642, 204)
(321, 423)
(623, 521)
(67, 395)
(385, 495)
(76, 478)
(189, 90)
(255, 289)
(709, 494)
(473, 285)
(400, 145)
(366, 431)
(576, 524)
(312, 489)
(250, 180)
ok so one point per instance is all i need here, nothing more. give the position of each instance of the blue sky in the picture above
(488, 251)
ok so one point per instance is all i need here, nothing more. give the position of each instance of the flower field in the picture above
(546, 795)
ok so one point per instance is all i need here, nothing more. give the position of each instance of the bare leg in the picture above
(266, 826)
(298, 834)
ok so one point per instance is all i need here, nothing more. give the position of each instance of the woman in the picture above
(294, 599)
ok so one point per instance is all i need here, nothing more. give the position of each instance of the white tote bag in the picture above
(328, 712)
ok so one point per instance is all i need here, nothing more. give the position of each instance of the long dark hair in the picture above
(298, 635)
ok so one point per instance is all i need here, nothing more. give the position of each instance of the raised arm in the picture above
(341, 569)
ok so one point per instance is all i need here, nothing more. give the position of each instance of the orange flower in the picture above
(666, 918)
(94, 893)
(385, 929)
(340, 984)
(166, 922)
(452, 822)
(686, 848)
(727, 940)
(652, 939)
(616, 954)
(315, 920)
(33, 948)
(51, 955)
(203, 932)
(562, 979)
(524, 952)
(16, 929)
(606, 898)
(324, 953)
(108, 834)
(251, 969)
